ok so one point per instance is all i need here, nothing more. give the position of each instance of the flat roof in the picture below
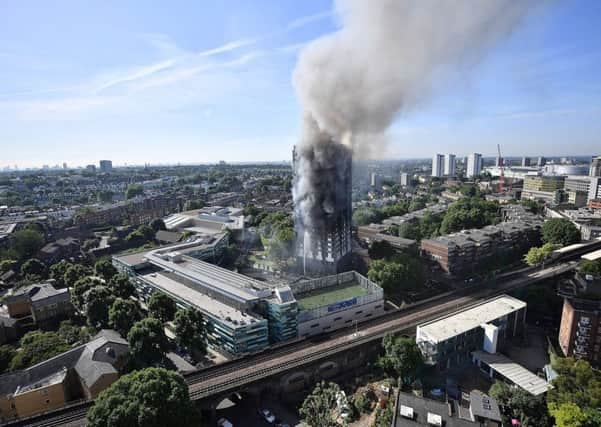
(570, 248)
(457, 323)
(326, 296)
(200, 301)
(514, 372)
(592, 256)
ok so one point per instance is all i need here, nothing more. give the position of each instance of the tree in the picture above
(26, 243)
(121, 286)
(134, 190)
(147, 341)
(37, 346)
(469, 212)
(409, 230)
(517, 403)
(189, 329)
(104, 268)
(560, 231)
(6, 265)
(592, 268)
(79, 290)
(7, 353)
(317, 409)
(402, 356)
(98, 299)
(152, 397)
(380, 249)
(364, 216)
(34, 269)
(158, 224)
(161, 307)
(537, 256)
(575, 399)
(142, 234)
(73, 273)
(403, 272)
(123, 314)
(57, 272)
(72, 334)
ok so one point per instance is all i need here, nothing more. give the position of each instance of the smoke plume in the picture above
(384, 59)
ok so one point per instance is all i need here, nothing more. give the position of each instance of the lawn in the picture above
(323, 297)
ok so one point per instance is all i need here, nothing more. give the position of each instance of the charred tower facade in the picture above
(323, 215)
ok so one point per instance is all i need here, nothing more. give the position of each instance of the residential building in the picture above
(60, 249)
(475, 409)
(525, 161)
(324, 244)
(405, 179)
(42, 303)
(438, 165)
(580, 329)
(449, 165)
(474, 165)
(595, 169)
(542, 161)
(141, 210)
(465, 251)
(80, 373)
(594, 191)
(106, 166)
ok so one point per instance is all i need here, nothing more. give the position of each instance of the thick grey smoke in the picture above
(386, 58)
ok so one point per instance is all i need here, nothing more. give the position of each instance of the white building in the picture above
(449, 165)
(438, 165)
(474, 165)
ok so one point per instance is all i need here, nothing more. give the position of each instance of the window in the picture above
(378, 306)
(368, 315)
(359, 312)
(337, 319)
(314, 325)
(47, 401)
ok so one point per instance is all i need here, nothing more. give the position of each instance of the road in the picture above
(229, 376)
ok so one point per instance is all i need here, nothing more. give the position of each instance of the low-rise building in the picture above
(244, 315)
(479, 410)
(449, 340)
(80, 373)
(42, 302)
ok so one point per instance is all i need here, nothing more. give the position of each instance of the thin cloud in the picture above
(228, 47)
(138, 74)
(308, 20)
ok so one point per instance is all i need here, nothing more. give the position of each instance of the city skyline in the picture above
(203, 83)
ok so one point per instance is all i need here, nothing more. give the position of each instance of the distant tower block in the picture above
(324, 245)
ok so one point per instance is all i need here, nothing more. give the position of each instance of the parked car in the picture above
(267, 415)
(223, 422)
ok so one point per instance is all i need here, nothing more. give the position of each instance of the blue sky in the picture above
(200, 81)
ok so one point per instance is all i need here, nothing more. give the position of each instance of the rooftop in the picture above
(457, 323)
(202, 302)
(236, 286)
(514, 372)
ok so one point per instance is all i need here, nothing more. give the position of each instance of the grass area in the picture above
(329, 296)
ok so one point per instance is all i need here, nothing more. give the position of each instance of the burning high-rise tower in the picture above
(323, 217)
(387, 56)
